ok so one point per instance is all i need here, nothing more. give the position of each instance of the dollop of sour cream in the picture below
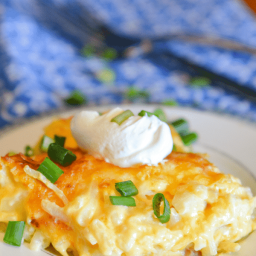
(138, 140)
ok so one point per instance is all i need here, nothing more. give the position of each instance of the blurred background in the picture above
(58, 54)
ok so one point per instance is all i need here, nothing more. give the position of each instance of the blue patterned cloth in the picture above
(41, 60)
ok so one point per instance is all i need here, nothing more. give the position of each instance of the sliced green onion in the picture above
(109, 54)
(144, 112)
(126, 188)
(14, 233)
(160, 114)
(45, 142)
(174, 148)
(165, 217)
(106, 76)
(170, 103)
(190, 138)
(29, 151)
(50, 170)
(76, 98)
(59, 140)
(61, 155)
(199, 81)
(122, 200)
(119, 119)
(88, 50)
(181, 126)
(134, 93)
(12, 153)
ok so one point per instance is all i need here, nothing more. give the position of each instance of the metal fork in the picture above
(89, 30)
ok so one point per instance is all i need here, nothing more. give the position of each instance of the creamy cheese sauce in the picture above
(210, 211)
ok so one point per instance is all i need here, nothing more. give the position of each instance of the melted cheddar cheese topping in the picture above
(210, 211)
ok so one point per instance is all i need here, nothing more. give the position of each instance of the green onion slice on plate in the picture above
(29, 151)
(12, 153)
(165, 217)
(160, 114)
(50, 170)
(119, 119)
(14, 233)
(189, 138)
(61, 155)
(144, 112)
(59, 140)
(126, 188)
(181, 126)
(122, 200)
(45, 143)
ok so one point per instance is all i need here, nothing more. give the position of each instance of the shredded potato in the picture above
(210, 211)
(37, 175)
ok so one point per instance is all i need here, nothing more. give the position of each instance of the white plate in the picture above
(230, 142)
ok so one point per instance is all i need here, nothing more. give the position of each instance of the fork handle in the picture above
(224, 82)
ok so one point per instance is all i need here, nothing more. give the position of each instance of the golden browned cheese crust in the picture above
(210, 211)
(86, 169)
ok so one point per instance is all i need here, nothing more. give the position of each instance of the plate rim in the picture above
(64, 111)
(70, 111)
